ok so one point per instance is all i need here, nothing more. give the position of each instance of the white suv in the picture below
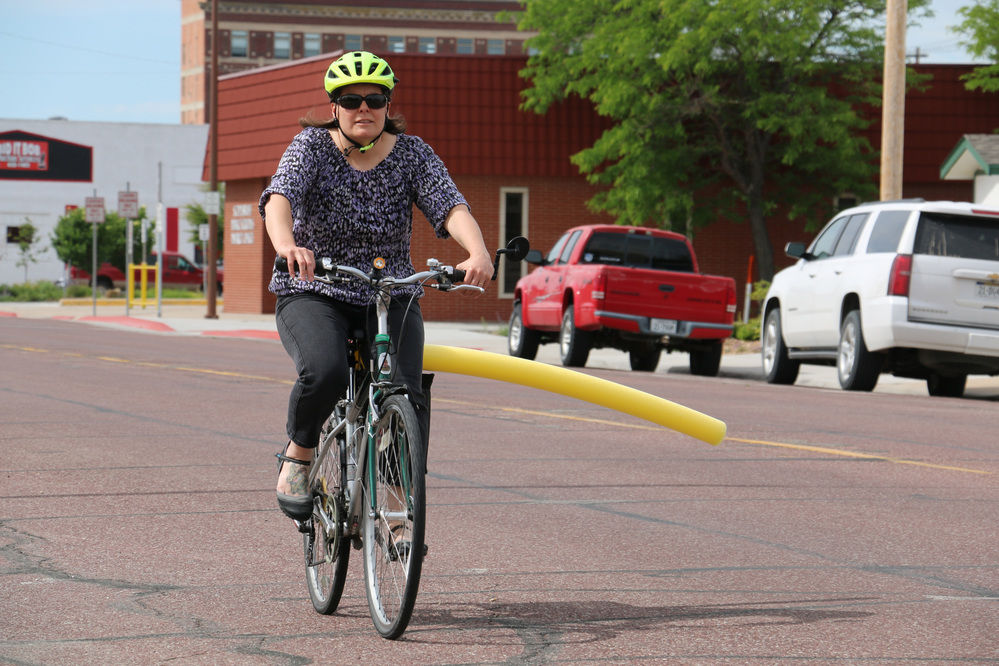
(907, 287)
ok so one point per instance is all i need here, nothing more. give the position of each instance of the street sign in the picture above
(128, 205)
(203, 232)
(213, 203)
(95, 209)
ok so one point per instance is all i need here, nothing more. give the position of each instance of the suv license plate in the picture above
(663, 326)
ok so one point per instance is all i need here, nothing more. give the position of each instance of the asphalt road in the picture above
(138, 521)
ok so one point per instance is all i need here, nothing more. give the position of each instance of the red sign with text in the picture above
(24, 155)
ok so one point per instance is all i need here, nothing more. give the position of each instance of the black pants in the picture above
(314, 331)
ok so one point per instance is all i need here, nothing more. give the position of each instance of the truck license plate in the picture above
(663, 326)
(988, 290)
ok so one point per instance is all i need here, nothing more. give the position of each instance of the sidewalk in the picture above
(190, 319)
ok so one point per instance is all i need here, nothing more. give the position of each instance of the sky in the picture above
(119, 60)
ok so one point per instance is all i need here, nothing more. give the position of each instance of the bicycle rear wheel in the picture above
(327, 549)
(394, 522)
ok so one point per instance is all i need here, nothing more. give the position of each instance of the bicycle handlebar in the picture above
(329, 272)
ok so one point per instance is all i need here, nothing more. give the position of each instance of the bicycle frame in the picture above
(357, 402)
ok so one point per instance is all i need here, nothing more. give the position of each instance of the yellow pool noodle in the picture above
(574, 384)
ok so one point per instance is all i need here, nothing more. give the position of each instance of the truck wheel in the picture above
(946, 387)
(705, 361)
(521, 341)
(777, 367)
(574, 345)
(644, 358)
(858, 368)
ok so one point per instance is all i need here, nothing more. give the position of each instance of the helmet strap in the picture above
(358, 146)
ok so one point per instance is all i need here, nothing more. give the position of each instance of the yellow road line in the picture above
(856, 454)
(531, 412)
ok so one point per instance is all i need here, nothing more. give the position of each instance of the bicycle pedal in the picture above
(304, 526)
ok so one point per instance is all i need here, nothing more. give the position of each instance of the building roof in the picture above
(466, 107)
(974, 154)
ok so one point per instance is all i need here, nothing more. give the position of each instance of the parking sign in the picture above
(128, 205)
(95, 209)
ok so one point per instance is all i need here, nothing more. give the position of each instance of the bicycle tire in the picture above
(393, 555)
(327, 551)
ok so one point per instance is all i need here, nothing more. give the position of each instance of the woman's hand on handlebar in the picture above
(478, 270)
(301, 258)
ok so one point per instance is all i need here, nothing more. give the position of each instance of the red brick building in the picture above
(513, 166)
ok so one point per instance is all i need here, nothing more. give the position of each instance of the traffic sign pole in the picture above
(95, 215)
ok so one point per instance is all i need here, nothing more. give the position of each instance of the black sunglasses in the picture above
(374, 101)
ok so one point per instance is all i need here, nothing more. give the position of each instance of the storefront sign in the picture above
(24, 155)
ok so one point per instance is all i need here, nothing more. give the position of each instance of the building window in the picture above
(513, 222)
(397, 44)
(353, 42)
(239, 44)
(466, 45)
(496, 47)
(13, 235)
(312, 45)
(428, 45)
(282, 45)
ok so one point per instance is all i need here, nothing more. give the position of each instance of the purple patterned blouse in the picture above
(354, 216)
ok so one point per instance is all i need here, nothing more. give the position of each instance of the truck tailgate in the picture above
(667, 295)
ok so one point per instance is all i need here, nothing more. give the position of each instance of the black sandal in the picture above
(297, 507)
(399, 549)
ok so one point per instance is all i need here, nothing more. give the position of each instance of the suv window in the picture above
(639, 251)
(849, 238)
(957, 236)
(825, 245)
(887, 231)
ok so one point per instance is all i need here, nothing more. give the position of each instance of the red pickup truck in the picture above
(629, 288)
(178, 273)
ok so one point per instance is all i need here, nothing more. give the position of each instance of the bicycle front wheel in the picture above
(395, 511)
(327, 548)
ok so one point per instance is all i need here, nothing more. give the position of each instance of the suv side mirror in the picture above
(796, 250)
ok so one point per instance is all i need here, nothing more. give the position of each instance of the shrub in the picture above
(30, 292)
(749, 330)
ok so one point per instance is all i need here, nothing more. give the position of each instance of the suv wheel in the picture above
(777, 367)
(946, 387)
(858, 368)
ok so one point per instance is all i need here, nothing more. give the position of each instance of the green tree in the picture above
(980, 27)
(72, 239)
(720, 108)
(196, 216)
(27, 246)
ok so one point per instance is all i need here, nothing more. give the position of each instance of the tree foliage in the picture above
(27, 246)
(981, 30)
(73, 239)
(721, 108)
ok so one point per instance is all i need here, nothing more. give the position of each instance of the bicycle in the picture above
(368, 472)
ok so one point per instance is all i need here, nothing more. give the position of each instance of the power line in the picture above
(75, 47)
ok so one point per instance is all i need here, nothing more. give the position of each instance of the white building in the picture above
(47, 167)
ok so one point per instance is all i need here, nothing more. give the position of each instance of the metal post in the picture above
(213, 232)
(893, 104)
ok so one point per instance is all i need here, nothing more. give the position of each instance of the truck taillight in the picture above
(901, 272)
(600, 287)
(731, 306)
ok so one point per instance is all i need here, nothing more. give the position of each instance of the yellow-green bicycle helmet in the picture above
(358, 67)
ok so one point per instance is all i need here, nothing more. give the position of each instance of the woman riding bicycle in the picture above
(345, 189)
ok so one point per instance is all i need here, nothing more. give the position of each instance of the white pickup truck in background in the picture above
(905, 287)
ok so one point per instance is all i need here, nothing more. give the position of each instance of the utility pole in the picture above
(211, 260)
(893, 103)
